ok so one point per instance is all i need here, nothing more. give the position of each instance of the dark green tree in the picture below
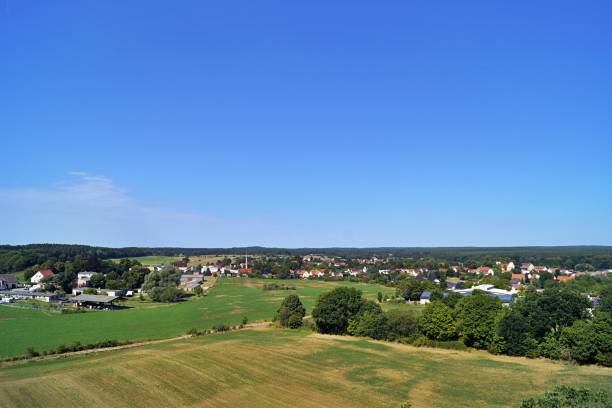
(291, 312)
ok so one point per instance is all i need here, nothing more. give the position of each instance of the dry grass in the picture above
(278, 368)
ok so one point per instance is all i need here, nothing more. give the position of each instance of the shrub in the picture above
(369, 324)
(401, 324)
(291, 312)
(334, 309)
(437, 322)
(566, 397)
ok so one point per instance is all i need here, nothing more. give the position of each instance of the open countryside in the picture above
(281, 368)
(227, 303)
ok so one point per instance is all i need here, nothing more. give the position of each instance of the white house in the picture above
(43, 273)
(83, 278)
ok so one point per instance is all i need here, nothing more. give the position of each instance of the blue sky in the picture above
(317, 123)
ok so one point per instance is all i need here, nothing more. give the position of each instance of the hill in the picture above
(279, 368)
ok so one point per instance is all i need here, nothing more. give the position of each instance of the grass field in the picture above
(193, 260)
(227, 302)
(279, 368)
(153, 259)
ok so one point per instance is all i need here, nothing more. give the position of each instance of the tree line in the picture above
(557, 323)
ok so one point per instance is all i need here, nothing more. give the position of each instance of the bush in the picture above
(291, 312)
(437, 322)
(570, 397)
(369, 324)
(423, 341)
(401, 324)
(334, 309)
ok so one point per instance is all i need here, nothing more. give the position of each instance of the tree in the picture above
(606, 297)
(410, 288)
(379, 297)
(97, 280)
(589, 341)
(369, 324)
(513, 329)
(437, 322)
(401, 324)
(291, 312)
(569, 397)
(334, 309)
(476, 319)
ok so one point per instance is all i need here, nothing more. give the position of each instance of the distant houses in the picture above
(8, 281)
(40, 275)
(83, 278)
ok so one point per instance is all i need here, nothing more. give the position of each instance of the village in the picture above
(504, 280)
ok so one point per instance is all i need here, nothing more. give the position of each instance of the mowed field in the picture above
(228, 302)
(279, 368)
(152, 259)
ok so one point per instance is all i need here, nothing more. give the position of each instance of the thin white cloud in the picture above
(93, 209)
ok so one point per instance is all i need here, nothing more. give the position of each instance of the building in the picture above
(8, 281)
(40, 275)
(190, 286)
(527, 267)
(425, 298)
(27, 295)
(485, 270)
(94, 301)
(83, 278)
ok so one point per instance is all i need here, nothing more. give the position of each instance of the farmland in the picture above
(152, 259)
(273, 367)
(228, 302)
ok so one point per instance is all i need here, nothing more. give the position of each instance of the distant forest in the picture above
(14, 258)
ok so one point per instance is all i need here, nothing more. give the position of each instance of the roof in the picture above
(425, 295)
(26, 293)
(94, 298)
(46, 272)
(7, 277)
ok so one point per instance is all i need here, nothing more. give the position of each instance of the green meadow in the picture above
(228, 302)
(152, 259)
(280, 368)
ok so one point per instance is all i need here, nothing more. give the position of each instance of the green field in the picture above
(228, 302)
(279, 368)
(152, 259)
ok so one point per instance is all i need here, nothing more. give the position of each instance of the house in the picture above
(541, 269)
(83, 278)
(485, 270)
(245, 271)
(113, 292)
(425, 297)
(454, 285)
(191, 278)
(27, 295)
(564, 278)
(505, 267)
(527, 267)
(190, 286)
(40, 275)
(384, 271)
(8, 281)
(356, 272)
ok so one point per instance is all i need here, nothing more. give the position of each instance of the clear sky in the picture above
(313, 123)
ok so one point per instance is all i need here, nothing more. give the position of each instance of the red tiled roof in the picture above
(46, 272)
